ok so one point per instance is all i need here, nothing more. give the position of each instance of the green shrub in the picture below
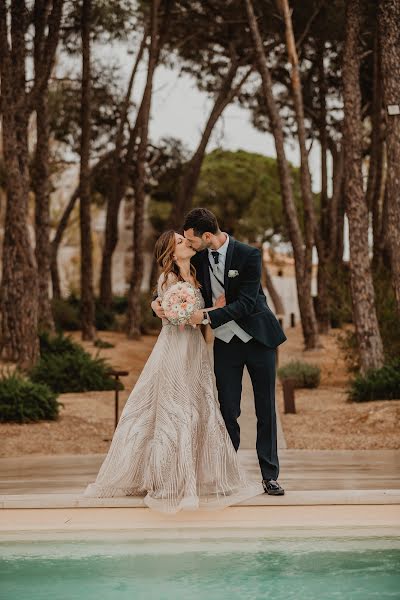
(72, 372)
(377, 384)
(57, 344)
(339, 295)
(389, 324)
(150, 323)
(120, 304)
(65, 315)
(103, 344)
(66, 367)
(347, 342)
(386, 308)
(303, 374)
(22, 401)
(104, 318)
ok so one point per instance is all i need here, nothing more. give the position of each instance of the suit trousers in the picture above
(229, 362)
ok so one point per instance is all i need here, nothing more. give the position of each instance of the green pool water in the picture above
(253, 569)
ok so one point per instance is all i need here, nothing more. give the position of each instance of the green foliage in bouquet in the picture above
(377, 384)
(303, 374)
(23, 401)
(66, 367)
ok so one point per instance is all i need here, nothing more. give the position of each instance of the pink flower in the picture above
(179, 303)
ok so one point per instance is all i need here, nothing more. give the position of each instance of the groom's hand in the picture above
(220, 301)
(157, 308)
(196, 317)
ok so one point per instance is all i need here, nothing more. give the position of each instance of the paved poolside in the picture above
(301, 470)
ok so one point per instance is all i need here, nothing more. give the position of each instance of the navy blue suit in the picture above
(246, 304)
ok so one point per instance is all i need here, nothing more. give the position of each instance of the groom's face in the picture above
(197, 243)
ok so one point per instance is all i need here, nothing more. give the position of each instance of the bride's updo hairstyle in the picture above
(164, 255)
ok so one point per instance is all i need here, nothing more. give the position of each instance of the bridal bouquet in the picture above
(179, 303)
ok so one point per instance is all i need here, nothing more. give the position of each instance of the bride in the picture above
(171, 443)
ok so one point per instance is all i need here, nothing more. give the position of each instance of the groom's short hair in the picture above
(201, 220)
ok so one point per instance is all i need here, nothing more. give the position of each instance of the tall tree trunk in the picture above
(40, 181)
(190, 177)
(87, 296)
(134, 315)
(302, 258)
(63, 224)
(374, 196)
(19, 290)
(19, 293)
(118, 190)
(322, 305)
(273, 292)
(339, 247)
(389, 23)
(336, 205)
(55, 244)
(362, 289)
(310, 223)
(40, 172)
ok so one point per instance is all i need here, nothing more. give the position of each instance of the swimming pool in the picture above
(200, 569)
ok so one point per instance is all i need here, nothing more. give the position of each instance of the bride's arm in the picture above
(162, 287)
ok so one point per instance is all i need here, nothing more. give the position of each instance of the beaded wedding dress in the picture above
(171, 443)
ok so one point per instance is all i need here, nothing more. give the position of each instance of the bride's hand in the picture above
(220, 301)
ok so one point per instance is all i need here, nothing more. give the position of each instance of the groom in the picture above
(246, 332)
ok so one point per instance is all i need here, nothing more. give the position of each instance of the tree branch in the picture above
(49, 50)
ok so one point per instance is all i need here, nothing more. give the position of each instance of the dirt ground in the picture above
(324, 418)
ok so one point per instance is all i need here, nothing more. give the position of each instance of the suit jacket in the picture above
(245, 300)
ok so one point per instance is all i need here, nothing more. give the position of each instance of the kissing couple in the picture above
(175, 443)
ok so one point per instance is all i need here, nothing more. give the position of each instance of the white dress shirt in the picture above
(228, 330)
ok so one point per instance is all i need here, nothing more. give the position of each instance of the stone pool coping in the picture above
(346, 520)
(322, 512)
(291, 498)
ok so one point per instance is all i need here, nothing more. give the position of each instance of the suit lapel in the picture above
(205, 275)
(228, 261)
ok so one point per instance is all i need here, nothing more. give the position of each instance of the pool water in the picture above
(227, 569)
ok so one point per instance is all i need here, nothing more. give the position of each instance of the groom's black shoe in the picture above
(272, 487)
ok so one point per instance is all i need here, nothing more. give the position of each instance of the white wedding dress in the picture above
(171, 443)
